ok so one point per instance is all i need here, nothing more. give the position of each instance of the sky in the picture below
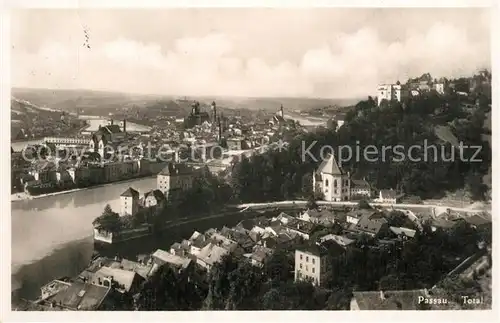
(248, 52)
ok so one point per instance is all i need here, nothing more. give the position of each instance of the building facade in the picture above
(391, 92)
(310, 265)
(174, 179)
(333, 182)
(129, 202)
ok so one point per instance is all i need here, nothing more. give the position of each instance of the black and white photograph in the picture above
(249, 159)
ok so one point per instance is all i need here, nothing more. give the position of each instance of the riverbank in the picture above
(17, 197)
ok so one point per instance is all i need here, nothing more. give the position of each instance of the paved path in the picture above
(303, 203)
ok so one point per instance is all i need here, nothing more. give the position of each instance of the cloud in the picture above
(346, 65)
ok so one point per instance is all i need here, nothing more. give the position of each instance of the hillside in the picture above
(87, 100)
(30, 121)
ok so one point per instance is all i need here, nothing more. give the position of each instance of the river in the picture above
(44, 230)
(52, 236)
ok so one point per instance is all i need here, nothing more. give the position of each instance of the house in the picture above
(311, 262)
(301, 228)
(354, 215)
(44, 171)
(477, 221)
(129, 202)
(392, 300)
(340, 240)
(284, 218)
(105, 136)
(223, 242)
(123, 281)
(241, 238)
(236, 143)
(174, 179)
(153, 198)
(210, 255)
(360, 189)
(323, 217)
(403, 233)
(181, 249)
(198, 242)
(259, 255)
(374, 225)
(161, 258)
(389, 197)
(332, 181)
(82, 297)
(442, 224)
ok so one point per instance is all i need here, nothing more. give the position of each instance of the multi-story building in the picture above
(120, 170)
(311, 264)
(104, 136)
(153, 198)
(391, 92)
(174, 179)
(129, 202)
(331, 180)
(360, 188)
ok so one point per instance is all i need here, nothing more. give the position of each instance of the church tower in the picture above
(214, 112)
(331, 180)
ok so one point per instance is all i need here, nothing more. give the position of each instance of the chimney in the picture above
(382, 296)
(111, 121)
(281, 111)
(124, 125)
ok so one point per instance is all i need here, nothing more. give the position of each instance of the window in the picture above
(313, 260)
(300, 257)
(313, 270)
(300, 266)
(335, 183)
(326, 182)
(307, 259)
(307, 268)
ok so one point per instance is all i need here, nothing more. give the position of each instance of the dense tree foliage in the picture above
(108, 220)
(428, 170)
(235, 284)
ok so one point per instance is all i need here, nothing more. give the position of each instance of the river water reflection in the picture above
(52, 226)
(52, 236)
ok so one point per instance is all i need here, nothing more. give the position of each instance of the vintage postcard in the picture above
(324, 159)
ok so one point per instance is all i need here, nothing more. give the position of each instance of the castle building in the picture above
(391, 92)
(331, 180)
(174, 179)
(129, 202)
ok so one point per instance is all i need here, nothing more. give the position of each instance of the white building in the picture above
(310, 265)
(129, 202)
(332, 181)
(390, 92)
(312, 262)
(439, 87)
(389, 197)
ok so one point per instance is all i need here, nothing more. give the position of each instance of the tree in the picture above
(311, 203)
(279, 266)
(363, 204)
(108, 220)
